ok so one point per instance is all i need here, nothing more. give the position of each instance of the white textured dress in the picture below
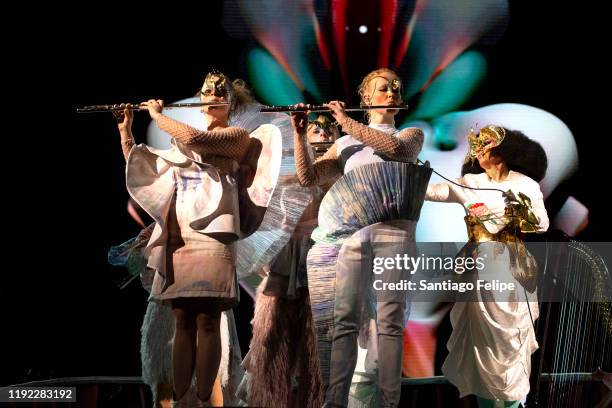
(492, 341)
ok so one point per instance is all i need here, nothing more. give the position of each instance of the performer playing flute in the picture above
(377, 142)
(191, 191)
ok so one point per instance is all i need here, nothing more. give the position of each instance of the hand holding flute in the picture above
(154, 106)
(299, 119)
(125, 119)
(337, 110)
(124, 116)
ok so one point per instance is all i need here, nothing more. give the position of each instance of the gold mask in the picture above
(324, 123)
(216, 84)
(395, 85)
(487, 136)
(329, 128)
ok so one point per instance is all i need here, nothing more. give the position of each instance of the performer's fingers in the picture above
(119, 115)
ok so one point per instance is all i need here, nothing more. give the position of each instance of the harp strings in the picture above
(583, 340)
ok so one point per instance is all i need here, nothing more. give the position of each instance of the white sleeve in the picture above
(437, 192)
(537, 204)
(445, 192)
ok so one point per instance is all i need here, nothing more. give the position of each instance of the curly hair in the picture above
(520, 154)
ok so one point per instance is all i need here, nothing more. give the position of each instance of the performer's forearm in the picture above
(127, 142)
(377, 139)
(319, 172)
(231, 142)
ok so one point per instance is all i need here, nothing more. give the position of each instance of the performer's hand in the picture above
(299, 120)
(337, 111)
(124, 117)
(154, 106)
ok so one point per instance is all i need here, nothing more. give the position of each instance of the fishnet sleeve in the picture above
(231, 142)
(321, 171)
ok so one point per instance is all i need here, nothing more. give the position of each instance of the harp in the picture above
(575, 325)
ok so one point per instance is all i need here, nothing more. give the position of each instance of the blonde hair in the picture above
(362, 90)
(241, 97)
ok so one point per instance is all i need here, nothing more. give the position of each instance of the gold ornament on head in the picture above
(395, 85)
(324, 123)
(487, 137)
(215, 84)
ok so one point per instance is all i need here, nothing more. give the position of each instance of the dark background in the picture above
(63, 313)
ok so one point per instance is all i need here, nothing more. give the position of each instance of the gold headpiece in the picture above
(487, 136)
(216, 84)
(323, 122)
(395, 85)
